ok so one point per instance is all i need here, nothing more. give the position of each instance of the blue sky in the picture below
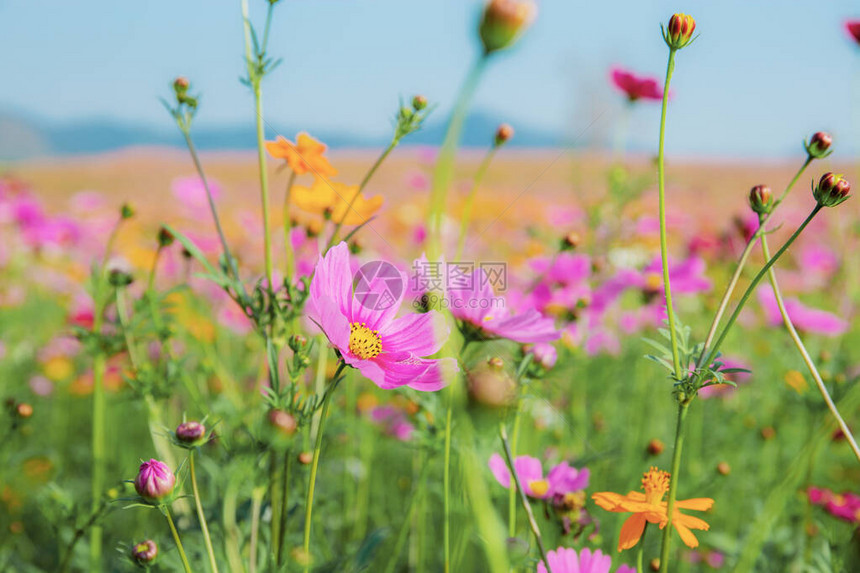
(762, 75)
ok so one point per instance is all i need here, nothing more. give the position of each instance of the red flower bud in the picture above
(155, 481)
(819, 145)
(191, 434)
(503, 21)
(144, 552)
(679, 32)
(761, 199)
(419, 102)
(503, 134)
(832, 190)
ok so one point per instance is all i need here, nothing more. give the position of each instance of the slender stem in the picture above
(200, 173)
(98, 446)
(228, 520)
(285, 493)
(177, 540)
(150, 281)
(361, 186)
(515, 433)
(526, 505)
(810, 364)
(256, 507)
(443, 173)
(470, 200)
(200, 515)
(410, 512)
(446, 481)
(79, 532)
(641, 550)
(664, 251)
(683, 407)
(315, 464)
(721, 309)
(288, 229)
(715, 348)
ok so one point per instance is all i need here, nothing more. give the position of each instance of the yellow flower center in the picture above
(539, 487)
(655, 483)
(363, 342)
(653, 282)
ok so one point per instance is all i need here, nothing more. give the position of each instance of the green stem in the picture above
(443, 173)
(315, 464)
(470, 200)
(715, 348)
(810, 364)
(410, 512)
(361, 186)
(150, 281)
(515, 433)
(201, 516)
(285, 493)
(446, 481)
(683, 407)
(526, 505)
(641, 550)
(664, 251)
(228, 520)
(177, 540)
(721, 309)
(98, 445)
(256, 508)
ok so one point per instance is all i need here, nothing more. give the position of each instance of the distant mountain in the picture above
(23, 137)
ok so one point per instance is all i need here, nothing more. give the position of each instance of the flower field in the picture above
(430, 357)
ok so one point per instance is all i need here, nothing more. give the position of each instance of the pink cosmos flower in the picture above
(192, 194)
(804, 318)
(394, 421)
(566, 560)
(543, 354)
(636, 87)
(686, 277)
(844, 506)
(485, 316)
(154, 481)
(387, 350)
(561, 479)
(853, 29)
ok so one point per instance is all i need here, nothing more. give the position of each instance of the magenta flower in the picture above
(191, 433)
(566, 560)
(484, 316)
(853, 29)
(154, 481)
(804, 318)
(686, 277)
(144, 552)
(394, 421)
(543, 354)
(389, 351)
(844, 506)
(561, 479)
(564, 478)
(636, 87)
(191, 193)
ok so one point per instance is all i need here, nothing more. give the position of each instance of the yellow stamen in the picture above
(363, 342)
(539, 487)
(655, 482)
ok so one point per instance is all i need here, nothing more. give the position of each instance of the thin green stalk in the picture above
(446, 481)
(177, 540)
(150, 281)
(275, 502)
(664, 251)
(641, 550)
(525, 501)
(410, 512)
(361, 186)
(228, 520)
(98, 445)
(231, 262)
(515, 433)
(256, 508)
(213, 564)
(288, 229)
(285, 494)
(716, 347)
(470, 200)
(810, 364)
(443, 173)
(724, 302)
(683, 407)
(315, 464)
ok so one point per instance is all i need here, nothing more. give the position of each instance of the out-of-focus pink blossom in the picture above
(804, 318)
(634, 86)
(844, 506)
(191, 193)
(394, 421)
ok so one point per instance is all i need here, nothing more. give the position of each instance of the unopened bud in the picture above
(181, 84)
(297, 342)
(24, 410)
(145, 552)
(155, 481)
(571, 241)
(724, 469)
(832, 190)
(503, 21)
(761, 199)
(419, 102)
(654, 565)
(655, 447)
(120, 278)
(165, 237)
(819, 144)
(305, 458)
(191, 434)
(496, 363)
(768, 433)
(503, 134)
(283, 422)
(126, 211)
(679, 32)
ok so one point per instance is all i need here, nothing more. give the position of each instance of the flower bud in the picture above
(768, 433)
(283, 422)
(154, 481)
(145, 552)
(761, 199)
(24, 410)
(489, 384)
(119, 278)
(819, 144)
(832, 190)
(165, 237)
(679, 32)
(571, 241)
(181, 85)
(191, 434)
(297, 342)
(654, 564)
(724, 469)
(305, 458)
(126, 211)
(655, 447)
(503, 21)
(419, 102)
(503, 134)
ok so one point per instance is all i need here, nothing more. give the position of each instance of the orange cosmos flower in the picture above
(332, 199)
(649, 507)
(304, 156)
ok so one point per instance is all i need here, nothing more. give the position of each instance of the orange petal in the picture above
(697, 503)
(686, 535)
(631, 531)
(690, 521)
